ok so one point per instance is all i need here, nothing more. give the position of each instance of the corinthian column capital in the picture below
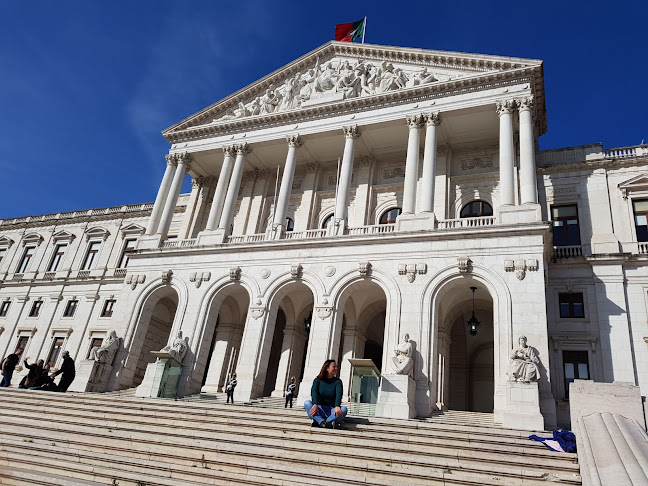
(351, 132)
(294, 141)
(170, 160)
(433, 119)
(229, 150)
(243, 149)
(525, 103)
(505, 107)
(414, 121)
(184, 158)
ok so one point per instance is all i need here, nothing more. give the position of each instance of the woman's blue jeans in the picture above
(324, 413)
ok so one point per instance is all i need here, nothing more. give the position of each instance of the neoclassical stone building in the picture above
(358, 193)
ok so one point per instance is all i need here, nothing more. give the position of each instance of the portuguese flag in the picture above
(350, 31)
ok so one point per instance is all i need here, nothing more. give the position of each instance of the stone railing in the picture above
(466, 222)
(178, 243)
(245, 238)
(49, 275)
(623, 152)
(642, 247)
(301, 235)
(568, 251)
(74, 214)
(83, 274)
(372, 229)
(120, 273)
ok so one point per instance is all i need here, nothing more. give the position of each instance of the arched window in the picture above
(326, 222)
(290, 224)
(389, 216)
(475, 209)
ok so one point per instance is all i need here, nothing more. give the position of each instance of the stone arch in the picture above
(393, 202)
(488, 195)
(429, 326)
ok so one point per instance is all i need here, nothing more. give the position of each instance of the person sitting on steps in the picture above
(324, 408)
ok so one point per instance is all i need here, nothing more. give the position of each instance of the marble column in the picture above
(506, 152)
(528, 182)
(346, 171)
(414, 123)
(220, 358)
(174, 191)
(285, 361)
(233, 188)
(294, 142)
(432, 121)
(160, 199)
(221, 189)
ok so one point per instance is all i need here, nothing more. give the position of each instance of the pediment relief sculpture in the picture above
(335, 80)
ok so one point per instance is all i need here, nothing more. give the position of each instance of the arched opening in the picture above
(289, 338)
(153, 328)
(389, 216)
(364, 305)
(475, 209)
(327, 221)
(465, 362)
(290, 224)
(218, 355)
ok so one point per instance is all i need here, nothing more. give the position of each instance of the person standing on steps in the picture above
(67, 368)
(290, 392)
(35, 372)
(8, 366)
(231, 384)
(324, 408)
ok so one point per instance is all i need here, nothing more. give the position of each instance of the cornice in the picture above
(589, 165)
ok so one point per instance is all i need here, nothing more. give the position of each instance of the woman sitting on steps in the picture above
(324, 408)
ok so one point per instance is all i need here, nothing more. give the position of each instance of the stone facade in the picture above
(389, 205)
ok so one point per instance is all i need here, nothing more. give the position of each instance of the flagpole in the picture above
(364, 30)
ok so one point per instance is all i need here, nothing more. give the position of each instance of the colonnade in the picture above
(222, 209)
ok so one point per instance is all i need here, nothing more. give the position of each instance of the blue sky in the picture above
(87, 87)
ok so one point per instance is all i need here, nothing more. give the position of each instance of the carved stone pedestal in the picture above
(522, 406)
(91, 376)
(524, 213)
(416, 222)
(215, 237)
(161, 379)
(396, 397)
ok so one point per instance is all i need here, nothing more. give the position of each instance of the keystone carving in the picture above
(463, 263)
(412, 269)
(235, 273)
(166, 276)
(296, 270)
(364, 268)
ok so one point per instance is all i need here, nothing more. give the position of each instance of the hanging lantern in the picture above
(473, 323)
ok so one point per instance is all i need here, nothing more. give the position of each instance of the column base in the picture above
(212, 237)
(396, 397)
(525, 213)
(211, 389)
(148, 242)
(337, 228)
(415, 222)
(604, 244)
(522, 409)
(274, 233)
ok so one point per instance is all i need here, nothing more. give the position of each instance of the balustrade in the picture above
(466, 222)
(568, 251)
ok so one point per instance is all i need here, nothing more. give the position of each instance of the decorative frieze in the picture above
(412, 269)
(134, 279)
(199, 277)
(521, 266)
(297, 184)
(483, 162)
(394, 173)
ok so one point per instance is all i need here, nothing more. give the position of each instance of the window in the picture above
(475, 209)
(3, 253)
(327, 220)
(290, 224)
(91, 256)
(389, 216)
(57, 258)
(36, 307)
(70, 308)
(571, 305)
(129, 246)
(57, 345)
(4, 308)
(565, 225)
(108, 308)
(576, 365)
(22, 343)
(26, 259)
(641, 219)
(94, 343)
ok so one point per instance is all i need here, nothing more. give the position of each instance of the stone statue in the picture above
(178, 349)
(106, 352)
(524, 363)
(269, 102)
(403, 363)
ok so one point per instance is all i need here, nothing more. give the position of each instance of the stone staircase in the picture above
(82, 439)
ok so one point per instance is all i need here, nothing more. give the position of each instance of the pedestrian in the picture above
(34, 375)
(231, 384)
(45, 381)
(8, 366)
(324, 408)
(290, 392)
(67, 368)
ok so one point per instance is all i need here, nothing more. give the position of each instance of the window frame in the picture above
(5, 305)
(26, 260)
(290, 224)
(565, 225)
(58, 350)
(566, 383)
(481, 203)
(36, 307)
(94, 338)
(104, 311)
(57, 257)
(633, 201)
(326, 221)
(124, 259)
(71, 308)
(386, 213)
(89, 262)
(570, 302)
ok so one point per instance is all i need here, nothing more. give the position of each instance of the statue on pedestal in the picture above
(178, 349)
(106, 352)
(523, 365)
(403, 363)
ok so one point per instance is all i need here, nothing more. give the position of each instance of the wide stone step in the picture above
(441, 448)
(18, 476)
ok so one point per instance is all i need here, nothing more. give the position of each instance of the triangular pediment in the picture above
(133, 229)
(636, 184)
(97, 232)
(5, 242)
(342, 73)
